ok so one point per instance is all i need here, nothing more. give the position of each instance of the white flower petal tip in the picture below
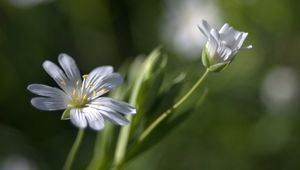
(221, 46)
(116, 105)
(132, 112)
(81, 97)
(96, 125)
(248, 47)
(70, 68)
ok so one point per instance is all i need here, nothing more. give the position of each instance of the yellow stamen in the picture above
(94, 93)
(85, 76)
(77, 82)
(84, 97)
(74, 92)
(104, 91)
(90, 85)
(63, 83)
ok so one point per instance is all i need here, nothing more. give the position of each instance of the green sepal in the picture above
(66, 114)
(205, 60)
(210, 63)
(218, 67)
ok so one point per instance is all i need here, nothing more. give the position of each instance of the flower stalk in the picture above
(74, 149)
(124, 134)
(123, 139)
(100, 151)
(164, 115)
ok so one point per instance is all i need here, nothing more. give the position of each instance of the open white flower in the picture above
(221, 46)
(82, 98)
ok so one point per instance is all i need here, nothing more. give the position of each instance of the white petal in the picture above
(113, 116)
(205, 28)
(77, 117)
(212, 46)
(110, 114)
(109, 82)
(98, 73)
(94, 118)
(49, 104)
(224, 52)
(95, 77)
(46, 91)
(235, 46)
(224, 28)
(57, 74)
(116, 105)
(70, 68)
(105, 84)
(229, 37)
(241, 40)
(227, 54)
(215, 34)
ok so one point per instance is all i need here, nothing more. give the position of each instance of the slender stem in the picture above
(74, 149)
(95, 162)
(121, 147)
(169, 111)
(124, 134)
(100, 149)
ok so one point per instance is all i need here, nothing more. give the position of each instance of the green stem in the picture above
(169, 111)
(121, 146)
(100, 149)
(124, 134)
(73, 151)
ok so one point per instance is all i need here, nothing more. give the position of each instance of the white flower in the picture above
(82, 98)
(221, 46)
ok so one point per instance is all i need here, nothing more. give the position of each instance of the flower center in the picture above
(78, 100)
(83, 93)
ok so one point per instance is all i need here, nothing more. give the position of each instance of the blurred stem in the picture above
(74, 149)
(121, 147)
(170, 110)
(124, 134)
(99, 154)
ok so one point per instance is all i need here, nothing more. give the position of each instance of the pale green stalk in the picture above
(124, 134)
(164, 115)
(74, 149)
(121, 147)
(122, 143)
(100, 151)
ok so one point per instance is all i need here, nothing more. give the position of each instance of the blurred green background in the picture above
(250, 119)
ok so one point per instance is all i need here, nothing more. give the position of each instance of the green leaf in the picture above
(149, 83)
(135, 69)
(164, 129)
(166, 98)
(158, 135)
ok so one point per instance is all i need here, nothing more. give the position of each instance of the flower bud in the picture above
(221, 46)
